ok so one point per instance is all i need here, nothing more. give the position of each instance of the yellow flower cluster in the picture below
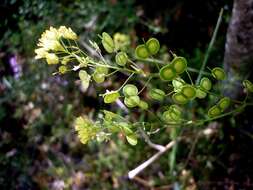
(86, 129)
(49, 43)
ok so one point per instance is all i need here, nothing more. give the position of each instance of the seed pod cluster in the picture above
(173, 114)
(186, 94)
(219, 108)
(151, 47)
(174, 69)
(205, 85)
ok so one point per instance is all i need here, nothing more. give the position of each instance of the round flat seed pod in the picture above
(166, 116)
(107, 42)
(200, 93)
(206, 84)
(214, 111)
(157, 94)
(188, 91)
(132, 101)
(111, 97)
(179, 64)
(130, 90)
(167, 73)
(248, 85)
(143, 105)
(98, 78)
(179, 98)
(121, 58)
(224, 103)
(218, 73)
(141, 52)
(153, 46)
(102, 70)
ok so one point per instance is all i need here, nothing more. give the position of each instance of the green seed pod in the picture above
(200, 93)
(179, 98)
(248, 85)
(143, 105)
(157, 94)
(130, 90)
(178, 83)
(111, 96)
(98, 78)
(166, 116)
(214, 111)
(132, 101)
(83, 75)
(107, 42)
(153, 46)
(188, 91)
(179, 64)
(167, 73)
(224, 103)
(175, 112)
(206, 84)
(141, 52)
(102, 70)
(121, 58)
(218, 73)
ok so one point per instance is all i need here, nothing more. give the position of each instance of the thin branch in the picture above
(210, 46)
(149, 142)
(145, 164)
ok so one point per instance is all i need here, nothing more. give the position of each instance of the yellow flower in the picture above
(40, 53)
(49, 44)
(52, 58)
(50, 40)
(67, 33)
(86, 129)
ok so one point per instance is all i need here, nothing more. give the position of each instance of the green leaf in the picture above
(132, 139)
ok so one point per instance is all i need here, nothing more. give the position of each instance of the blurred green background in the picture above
(38, 146)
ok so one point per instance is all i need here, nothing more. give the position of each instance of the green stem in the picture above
(210, 46)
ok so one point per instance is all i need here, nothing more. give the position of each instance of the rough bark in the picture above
(238, 59)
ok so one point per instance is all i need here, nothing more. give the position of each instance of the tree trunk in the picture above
(238, 59)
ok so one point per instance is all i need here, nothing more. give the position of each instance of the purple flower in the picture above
(15, 66)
